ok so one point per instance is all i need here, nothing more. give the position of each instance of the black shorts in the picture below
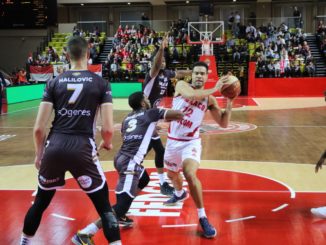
(130, 174)
(76, 154)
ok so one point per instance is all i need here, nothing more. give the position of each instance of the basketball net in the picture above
(206, 46)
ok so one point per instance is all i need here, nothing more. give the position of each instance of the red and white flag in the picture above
(41, 73)
(97, 69)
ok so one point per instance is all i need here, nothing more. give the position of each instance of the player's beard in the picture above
(197, 84)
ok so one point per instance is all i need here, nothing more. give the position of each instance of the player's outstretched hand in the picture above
(106, 146)
(165, 41)
(221, 81)
(319, 164)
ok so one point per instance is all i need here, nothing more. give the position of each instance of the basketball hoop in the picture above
(206, 30)
(206, 47)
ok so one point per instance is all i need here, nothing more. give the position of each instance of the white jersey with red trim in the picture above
(188, 127)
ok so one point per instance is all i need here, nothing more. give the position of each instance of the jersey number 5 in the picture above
(77, 88)
(132, 124)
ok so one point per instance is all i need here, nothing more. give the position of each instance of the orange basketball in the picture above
(232, 88)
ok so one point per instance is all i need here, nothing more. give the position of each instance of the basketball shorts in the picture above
(76, 154)
(130, 173)
(177, 151)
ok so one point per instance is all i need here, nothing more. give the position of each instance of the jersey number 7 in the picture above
(77, 88)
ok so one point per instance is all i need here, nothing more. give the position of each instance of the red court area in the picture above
(240, 101)
(246, 209)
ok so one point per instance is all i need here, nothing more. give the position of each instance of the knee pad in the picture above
(110, 227)
(144, 180)
(110, 219)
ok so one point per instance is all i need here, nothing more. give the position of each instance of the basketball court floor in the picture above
(258, 180)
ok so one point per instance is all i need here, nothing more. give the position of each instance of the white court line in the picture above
(292, 192)
(214, 191)
(7, 113)
(292, 126)
(256, 101)
(247, 191)
(280, 207)
(61, 216)
(176, 226)
(240, 219)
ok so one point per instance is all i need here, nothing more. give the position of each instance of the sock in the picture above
(116, 243)
(178, 193)
(162, 178)
(24, 239)
(90, 229)
(201, 212)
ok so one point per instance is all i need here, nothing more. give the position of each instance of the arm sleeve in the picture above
(155, 114)
(106, 93)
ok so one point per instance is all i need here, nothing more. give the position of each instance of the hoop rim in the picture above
(222, 41)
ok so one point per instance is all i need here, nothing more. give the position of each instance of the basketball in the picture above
(232, 88)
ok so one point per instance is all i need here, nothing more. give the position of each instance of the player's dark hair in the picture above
(135, 100)
(200, 63)
(77, 47)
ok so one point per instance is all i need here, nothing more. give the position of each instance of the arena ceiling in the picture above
(152, 2)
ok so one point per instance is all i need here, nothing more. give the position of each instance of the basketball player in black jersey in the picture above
(320, 211)
(75, 97)
(137, 130)
(156, 84)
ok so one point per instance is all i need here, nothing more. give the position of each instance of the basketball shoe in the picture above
(208, 230)
(125, 221)
(82, 239)
(166, 189)
(175, 199)
(319, 212)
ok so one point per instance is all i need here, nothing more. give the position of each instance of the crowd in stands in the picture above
(133, 49)
(321, 37)
(279, 51)
(58, 54)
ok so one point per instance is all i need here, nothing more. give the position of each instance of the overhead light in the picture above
(81, 4)
(129, 3)
(234, 0)
(187, 2)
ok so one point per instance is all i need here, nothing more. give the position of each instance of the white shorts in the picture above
(177, 151)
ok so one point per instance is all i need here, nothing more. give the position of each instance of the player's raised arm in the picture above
(180, 74)
(185, 90)
(156, 66)
(219, 116)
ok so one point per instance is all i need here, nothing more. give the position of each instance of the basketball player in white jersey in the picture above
(183, 147)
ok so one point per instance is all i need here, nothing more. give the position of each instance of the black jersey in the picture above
(137, 129)
(76, 96)
(155, 88)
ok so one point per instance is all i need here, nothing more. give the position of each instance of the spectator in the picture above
(311, 69)
(297, 17)
(277, 68)
(237, 18)
(22, 76)
(230, 21)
